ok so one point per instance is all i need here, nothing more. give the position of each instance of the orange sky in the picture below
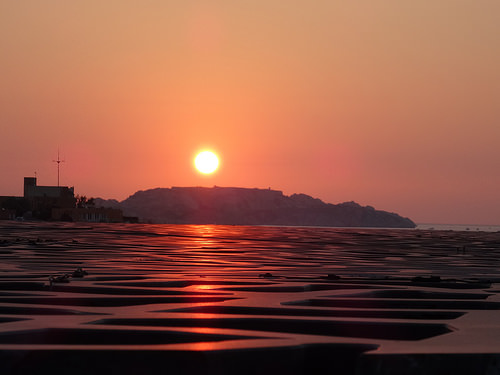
(390, 103)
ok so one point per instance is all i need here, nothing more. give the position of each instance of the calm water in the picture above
(460, 227)
(157, 293)
(234, 251)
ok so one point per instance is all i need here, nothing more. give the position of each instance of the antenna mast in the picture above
(58, 161)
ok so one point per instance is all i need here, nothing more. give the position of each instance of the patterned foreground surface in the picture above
(247, 300)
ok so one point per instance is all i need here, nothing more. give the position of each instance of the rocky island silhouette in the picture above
(246, 206)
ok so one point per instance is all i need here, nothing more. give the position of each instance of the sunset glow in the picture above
(206, 162)
(392, 104)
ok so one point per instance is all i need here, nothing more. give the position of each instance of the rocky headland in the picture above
(243, 206)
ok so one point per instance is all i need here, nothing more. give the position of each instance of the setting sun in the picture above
(206, 162)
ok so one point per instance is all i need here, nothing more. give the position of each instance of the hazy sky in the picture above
(390, 103)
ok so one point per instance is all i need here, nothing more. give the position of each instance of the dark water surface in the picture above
(191, 299)
(211, 250)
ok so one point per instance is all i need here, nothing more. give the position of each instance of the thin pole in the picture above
(58, 161)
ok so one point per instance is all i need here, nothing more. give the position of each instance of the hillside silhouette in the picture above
(243, 206)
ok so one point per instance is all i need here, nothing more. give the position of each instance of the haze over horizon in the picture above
(390, 104)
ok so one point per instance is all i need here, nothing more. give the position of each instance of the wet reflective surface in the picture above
(263, 299)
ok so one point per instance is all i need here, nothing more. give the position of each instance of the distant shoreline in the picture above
(420, 226)
(459, 227)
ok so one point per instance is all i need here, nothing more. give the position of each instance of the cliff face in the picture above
(240, 206)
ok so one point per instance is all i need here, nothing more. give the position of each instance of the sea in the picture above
(460, 227)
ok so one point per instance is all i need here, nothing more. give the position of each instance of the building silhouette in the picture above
(53, 203)
(43, 198)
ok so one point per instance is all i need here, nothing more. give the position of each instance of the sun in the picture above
(206, 162)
